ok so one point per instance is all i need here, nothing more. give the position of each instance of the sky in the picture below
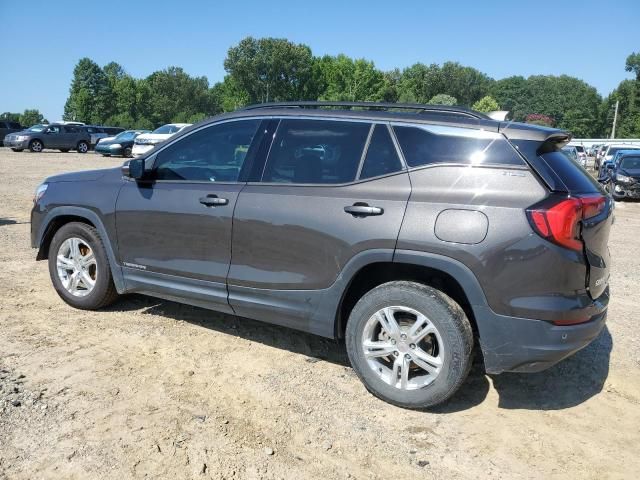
(41, 41)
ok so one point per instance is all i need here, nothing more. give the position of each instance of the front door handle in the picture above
(213, 201)
(363, 210)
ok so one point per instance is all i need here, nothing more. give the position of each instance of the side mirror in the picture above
(134, 168)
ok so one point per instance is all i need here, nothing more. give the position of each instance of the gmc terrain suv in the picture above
(415, 233)
(60, 136)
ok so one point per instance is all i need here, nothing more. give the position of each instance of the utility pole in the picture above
(615, 120)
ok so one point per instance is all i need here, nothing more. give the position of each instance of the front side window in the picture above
(435, 144)
(316, 152)
(213, 154)
(53, 129)
(382, 157)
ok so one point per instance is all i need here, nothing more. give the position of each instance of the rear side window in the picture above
(576, 178)
(382, 157)
(422, 146)
(316, 151)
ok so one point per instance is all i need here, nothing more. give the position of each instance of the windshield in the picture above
(167, 129)
(630, 163)
(613, 150)
(125, 136)
(37, 128)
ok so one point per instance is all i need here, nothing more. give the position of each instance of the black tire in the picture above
(64, 150)
(17, 149)
(448, 318)
(128, 152)
(82, 147)
(36, 146)
(104, 292)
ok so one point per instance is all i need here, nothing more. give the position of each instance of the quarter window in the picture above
(213, 154)
(316, 151)
(454, 145)
(382, 157)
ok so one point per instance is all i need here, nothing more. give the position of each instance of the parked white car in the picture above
(147, 141)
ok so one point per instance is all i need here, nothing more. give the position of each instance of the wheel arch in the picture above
(60, 216)
(444, 273)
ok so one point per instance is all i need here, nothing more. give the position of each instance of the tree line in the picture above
(271, 69)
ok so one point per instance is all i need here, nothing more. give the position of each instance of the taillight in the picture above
(558, 220)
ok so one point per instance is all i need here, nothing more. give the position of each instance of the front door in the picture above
(174, 233)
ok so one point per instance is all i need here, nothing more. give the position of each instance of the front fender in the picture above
(43, 230)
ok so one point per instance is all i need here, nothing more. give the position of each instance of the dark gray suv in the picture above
(60, 136)
(415, 233)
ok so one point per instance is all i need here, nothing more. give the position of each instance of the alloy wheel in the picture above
(403, 347)
(77, 267)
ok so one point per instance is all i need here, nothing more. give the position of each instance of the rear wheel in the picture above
(36, 146)
(82, 147)
(79, 268)
(410, 344)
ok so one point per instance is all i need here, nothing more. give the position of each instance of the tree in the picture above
(30, 117)
(633, 64)
(270, 69)
(486, 104)
(12, 117)
(90, 95)
(345, 79)
(443, 99)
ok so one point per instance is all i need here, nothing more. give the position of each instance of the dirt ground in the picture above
(153, 389)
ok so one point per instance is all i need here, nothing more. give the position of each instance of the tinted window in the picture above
(465, 146)
(316, 151)
(213, 154)
(14, 125)
(382, 157)
(71, 129)
(53, 129)
(630, 163)
(576, 178)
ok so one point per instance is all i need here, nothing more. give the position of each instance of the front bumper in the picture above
(108, 149)
(511, 344)
(626, 190)
(21, 144)
(141, 149)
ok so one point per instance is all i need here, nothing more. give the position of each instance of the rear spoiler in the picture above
(547, 139)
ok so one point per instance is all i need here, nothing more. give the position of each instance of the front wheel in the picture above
(82, 147)
(36, 146)
(127, 152)
(410, 344)
(79, 268)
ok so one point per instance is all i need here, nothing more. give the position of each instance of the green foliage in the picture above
(486, 104)
(633, 64)
(344, 79)
(12, 117)
(90, 94)
(270, 69)
(30, 117)
(443, 99)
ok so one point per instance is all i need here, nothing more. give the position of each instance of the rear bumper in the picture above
(511, 344)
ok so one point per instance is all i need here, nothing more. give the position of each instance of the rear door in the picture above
(322, 199)
(174, 233)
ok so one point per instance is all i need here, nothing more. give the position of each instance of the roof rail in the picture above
(374, 106)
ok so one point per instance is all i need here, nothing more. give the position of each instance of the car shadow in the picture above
(567, 384)
(8, 221)
(312, 346)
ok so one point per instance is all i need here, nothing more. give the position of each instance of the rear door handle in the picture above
(363, 210)
(213, 201)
